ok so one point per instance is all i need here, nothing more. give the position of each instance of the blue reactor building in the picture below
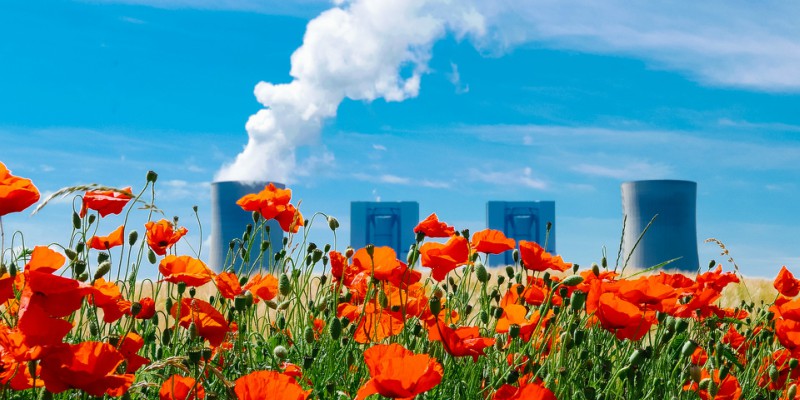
(522, 220)
(384, 223)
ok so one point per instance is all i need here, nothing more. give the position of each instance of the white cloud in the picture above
(400, 180)
(455, 78)
(177, 189)
(628, 171)
(379, 147)
(523, 177)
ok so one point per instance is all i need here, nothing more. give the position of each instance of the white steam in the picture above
(363, 51)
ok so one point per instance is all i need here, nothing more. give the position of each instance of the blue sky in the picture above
(536, 100)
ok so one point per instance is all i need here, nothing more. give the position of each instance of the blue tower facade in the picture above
(522, 220)
(384, 223)
(228, 222)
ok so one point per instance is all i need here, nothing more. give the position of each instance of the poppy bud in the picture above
(515, 255)
(604, 263)
(281, 322)
(578, 335)
(793, 363)
(791, 392)
(316, 255)
(572, 280)
(92, 218)
(577, 300)
(280, 352)
(284, 305)
(500, 279)
(481, 273)
(711, 264)
(151, 256)
(335, 328)
(102, 270)
(239, 303)
(510, 272)
(370, 249)
(194, 355)
(192, 292)
(688, 348)
(774, 375)
(637, 357)
(193, 331)
(438, 293)
(181, 288)
(71, 254)
(513, 331)
(681, 326)
(484, 316)
(264, 245)
(136, 308)
(575, 268)
(595, 269)
(80, 247)
(308, 335)
(566, 340)
(76, 220)
(166, 336)
(498, 312)
(169, 303)
(333, 223)
(93, 328)
(284, 286)
(82, 277)
(435, 305)
(465, 234)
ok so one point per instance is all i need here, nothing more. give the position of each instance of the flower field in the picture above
(308, 321)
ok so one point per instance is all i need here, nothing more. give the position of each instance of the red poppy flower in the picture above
(106, 201)
(726, 389)
(129, 346)
(209, 322)
(178, 387)
(623, 318)
(162, 235)
(648, 291)
(374, 322)
(431, 227)
(535, 258)
(264, 287)
(43, 259)
(186, 269)
(491, 241)
(16, 194)
(228, 285)
(514, 314)
(269, 202)
(113, 239)
(384, 266)
(786, 284)
(290, 219)
(460, 342)
(107, 296)
(398, 373)
(88, 366)
(532, 391)
(148, 308)
(443, 258)
(269, 385)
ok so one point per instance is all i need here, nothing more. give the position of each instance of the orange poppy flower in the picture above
(209, 322)
(384, 265)
(31, 320)
(780, 359)
(106, 201)
(107, 296)
(58, 295)
(264, 287)
(88, 366)
(113, 239)
(648, 291)
(443, 258)
(148, 308)
(269, 385)
(535, 258)
(727, 389)
(16, 194)
(290, 219)
(228, 285)
(431, 227)
(624, 319)
(186, 269)
(533, 391)
(374, 323)
(398, 373)
(178, 387)
(43, 259)
(514, 314)
(129, 346)
(491, 241)
(786, 284)
(269, 202)
(162, 235)
(460, 342)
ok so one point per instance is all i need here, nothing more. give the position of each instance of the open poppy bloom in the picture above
(16, 194)
(433, 228)
(786, 284)
(107, 296)
(162, 235)
(148, 308)
(113, 239)
(491, 241)
(43, 259)
(88, 366)
(460, 342)
(622, 318)
(210, 323)
(384, 265)
(443, 258)
(178, 387)
(375, 323)
(290, 219)
(269, 202)
(106, 201)
(398, 373)
(186, 269)
(269, 385)
(535, 258)
(515, 314)
(534, 391)
(726, 389)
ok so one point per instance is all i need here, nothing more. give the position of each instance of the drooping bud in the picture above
(193, 331)
(688, 348)
(333, 223)
(71, 254)
(102, 269)
(370, 249)
(76, 220)
(152, 176)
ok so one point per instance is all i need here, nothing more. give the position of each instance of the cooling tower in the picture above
(229, 221)
(522, 220)
(672, 234)
(385, 223)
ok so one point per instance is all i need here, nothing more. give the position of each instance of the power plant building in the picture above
(384, 224)
(522, 220)
(673, 233)
(228, 222)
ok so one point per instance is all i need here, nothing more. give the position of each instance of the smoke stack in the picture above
(229, 221)
(672, 234)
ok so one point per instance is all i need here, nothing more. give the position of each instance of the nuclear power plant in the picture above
(228, 223)
(522, 220)
(673, 233)
(387, 223)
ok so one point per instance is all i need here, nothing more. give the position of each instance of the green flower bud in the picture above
(94, 329)
(133, 237)
(688, 348)
(102, 270)
(181, 288)
(193, 333)
(435, 304)
(76, 220)
(481, 273)
(572, 280)
(82, 277)
(335, 328)
(370, 249)
(577, 300)
(333, 223)
(71, 254)
(239, 303)
(308, 335)
(280, 352)
(284, 285)
(151, 256)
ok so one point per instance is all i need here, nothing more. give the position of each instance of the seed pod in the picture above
(152, 177)
(102, 270)
(79, 267)
(335, 328)
(76, 220)
(572, 280)
(510, 272)
(207, 354)
(101, 256)
(80, 247)
(500, 279)
(513, 331)
(136, 308)
(370, 249)
(181, 288)
(82, 277)
(280, 352)
(192, 291)
(151, 256)
(239, 303)
(133, 237)
(435, 304)
(284, 285)
(498, 312)
(195, 355)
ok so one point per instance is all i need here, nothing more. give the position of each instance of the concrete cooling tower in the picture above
(228, 221)
(672, 234)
